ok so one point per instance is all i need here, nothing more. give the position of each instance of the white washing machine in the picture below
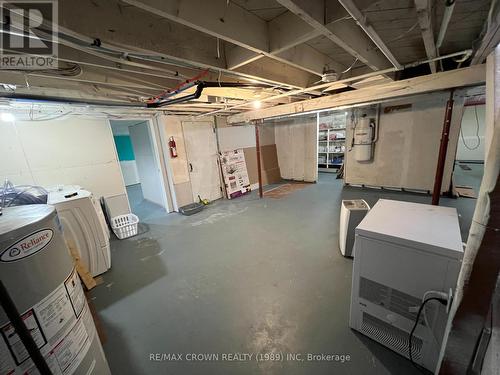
(84, 225)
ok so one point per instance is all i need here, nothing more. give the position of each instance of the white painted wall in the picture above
(69, 150)
(473, 129)
(407, 150)
(147, 164)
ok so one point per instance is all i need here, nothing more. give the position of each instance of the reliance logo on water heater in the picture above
(29, 245)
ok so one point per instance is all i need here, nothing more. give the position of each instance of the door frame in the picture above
(165, 190)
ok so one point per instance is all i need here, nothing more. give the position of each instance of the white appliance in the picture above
(404, 250)
(38, 274)
(84, 225)
(351, 214)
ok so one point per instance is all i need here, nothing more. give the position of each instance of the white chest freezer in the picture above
(84, 225)
(403, 250)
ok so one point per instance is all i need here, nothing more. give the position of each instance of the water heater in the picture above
(363, 139)
(38, 273)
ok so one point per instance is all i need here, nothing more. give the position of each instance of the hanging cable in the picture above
(351, 66)
(410, 339)
(477, 134)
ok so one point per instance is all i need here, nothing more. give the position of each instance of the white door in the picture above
(147, 164)
(201, 149)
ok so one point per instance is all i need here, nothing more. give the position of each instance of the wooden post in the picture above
(259, 172)
(443, 148)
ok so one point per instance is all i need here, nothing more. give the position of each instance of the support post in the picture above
(443, 148)
(259, 172)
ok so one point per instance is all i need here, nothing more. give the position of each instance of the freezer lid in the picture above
(421, 226)
(67, 194)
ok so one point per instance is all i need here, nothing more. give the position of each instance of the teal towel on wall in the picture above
(124, 147)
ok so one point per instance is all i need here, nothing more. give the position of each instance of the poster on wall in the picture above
(234, 170)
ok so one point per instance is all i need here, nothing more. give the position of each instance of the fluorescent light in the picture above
(257, 104)
(8, 117)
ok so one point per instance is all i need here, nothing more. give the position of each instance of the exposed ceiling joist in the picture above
(472, 76)
(360, 19)
(491, 37)
(345, 33)
(287, 35)
(424, 14)
(67, 89)
(229, 22)
(133, 30)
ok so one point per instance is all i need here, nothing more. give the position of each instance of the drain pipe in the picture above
(196, 95)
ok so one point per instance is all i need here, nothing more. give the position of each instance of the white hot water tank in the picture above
(38, 273)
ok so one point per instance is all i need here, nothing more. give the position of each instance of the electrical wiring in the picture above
(426, 294)
(410, 339)
(477, 134)
(351, 66)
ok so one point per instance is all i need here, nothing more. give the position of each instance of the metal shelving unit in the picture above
(331, 141)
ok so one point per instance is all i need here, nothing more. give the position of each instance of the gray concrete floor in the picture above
(246, 276)
(142, 208)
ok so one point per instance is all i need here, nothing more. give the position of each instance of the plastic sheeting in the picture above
(296, 145)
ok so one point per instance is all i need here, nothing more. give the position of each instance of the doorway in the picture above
(469, 159)
(140, 166)
(332, 126)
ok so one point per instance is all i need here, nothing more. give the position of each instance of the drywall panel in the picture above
(296, 145)
(69, 150)
(405, 155)
(234, 137)
(147, 165)
(471, 141)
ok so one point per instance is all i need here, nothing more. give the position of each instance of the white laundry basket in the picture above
(125, 226)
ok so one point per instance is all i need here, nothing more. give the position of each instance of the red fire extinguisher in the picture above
(172, 146)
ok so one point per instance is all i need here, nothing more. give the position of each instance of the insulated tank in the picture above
(363, 139)
(38, 273)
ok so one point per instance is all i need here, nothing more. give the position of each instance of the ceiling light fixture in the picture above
(257, 104)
